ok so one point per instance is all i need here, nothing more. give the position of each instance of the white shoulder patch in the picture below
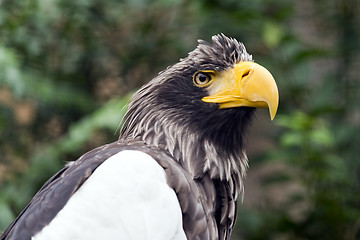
(127, 197)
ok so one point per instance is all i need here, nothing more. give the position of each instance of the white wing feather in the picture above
(127, 197)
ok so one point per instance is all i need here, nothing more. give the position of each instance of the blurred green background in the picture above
(67, 68)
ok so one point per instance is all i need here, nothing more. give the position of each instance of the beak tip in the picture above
(273, 110)
(274, 104)
(272, 117)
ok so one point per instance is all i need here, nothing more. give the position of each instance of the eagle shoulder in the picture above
(126, 197)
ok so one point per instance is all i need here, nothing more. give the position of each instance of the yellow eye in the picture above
(202, 79)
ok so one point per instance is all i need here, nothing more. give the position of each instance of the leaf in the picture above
(272, 34)
(5, 216)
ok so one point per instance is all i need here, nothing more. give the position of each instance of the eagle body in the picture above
(176, 171)
(152, 203)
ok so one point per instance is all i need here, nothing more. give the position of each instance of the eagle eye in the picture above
(202, 79)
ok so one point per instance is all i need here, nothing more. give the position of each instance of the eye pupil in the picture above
(203, 78)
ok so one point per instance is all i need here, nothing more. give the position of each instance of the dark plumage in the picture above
(199, 146)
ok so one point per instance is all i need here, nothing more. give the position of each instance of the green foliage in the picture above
(50, 158)
(304, 131)
(309, 144)
(62, 61)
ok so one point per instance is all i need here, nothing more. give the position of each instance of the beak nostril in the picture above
(246, 73)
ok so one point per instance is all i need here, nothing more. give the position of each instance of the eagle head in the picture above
(198, 109)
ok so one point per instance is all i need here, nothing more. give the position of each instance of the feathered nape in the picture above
(223, 53)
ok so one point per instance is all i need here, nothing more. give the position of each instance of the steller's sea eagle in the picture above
(176, 171)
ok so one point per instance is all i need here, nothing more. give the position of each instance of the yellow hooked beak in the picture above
(247, 84)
